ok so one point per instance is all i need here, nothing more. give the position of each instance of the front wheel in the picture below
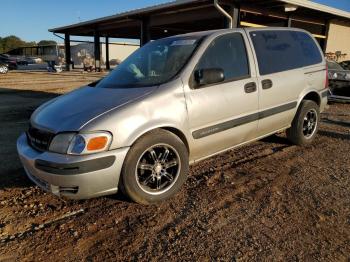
(155, 168)
(305, 123)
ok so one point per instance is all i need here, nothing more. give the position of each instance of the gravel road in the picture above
(269, 200)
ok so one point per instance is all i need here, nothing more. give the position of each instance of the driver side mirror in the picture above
(208, 76)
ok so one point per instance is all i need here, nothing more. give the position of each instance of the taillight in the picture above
(327, 79)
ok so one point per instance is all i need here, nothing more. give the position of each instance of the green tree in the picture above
(47, 42)
(10, 42)
(32, 43)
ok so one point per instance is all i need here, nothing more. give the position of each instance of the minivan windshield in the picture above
(153, 64)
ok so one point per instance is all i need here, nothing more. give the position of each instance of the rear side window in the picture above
(227, 52)
(279, 51)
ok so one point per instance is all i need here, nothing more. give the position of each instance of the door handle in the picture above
(266, 84)
(250, 87)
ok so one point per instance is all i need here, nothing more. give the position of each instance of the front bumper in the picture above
(342, 99)
(74, 177)
(340, 92)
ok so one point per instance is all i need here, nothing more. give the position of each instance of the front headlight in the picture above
(60, 143)
(81, 144)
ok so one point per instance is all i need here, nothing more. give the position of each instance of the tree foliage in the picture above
(12, 42)
(46, 42)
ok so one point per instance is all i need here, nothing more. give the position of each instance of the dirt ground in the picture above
(266, 201)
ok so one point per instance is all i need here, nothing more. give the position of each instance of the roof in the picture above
(319, 7)
(183, 14)
(138, 12)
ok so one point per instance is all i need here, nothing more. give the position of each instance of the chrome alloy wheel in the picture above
(310, 123)
(157, 169)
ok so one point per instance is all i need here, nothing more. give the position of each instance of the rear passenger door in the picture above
(282, 56)
(220, 115)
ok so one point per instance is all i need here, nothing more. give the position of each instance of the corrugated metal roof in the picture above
(139, 11)
(144, 11)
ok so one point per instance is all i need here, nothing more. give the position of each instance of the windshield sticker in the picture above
(184, 42)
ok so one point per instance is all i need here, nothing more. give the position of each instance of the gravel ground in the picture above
(266, 201)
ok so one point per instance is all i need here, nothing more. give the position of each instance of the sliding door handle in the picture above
(250, 87)
(266, 84)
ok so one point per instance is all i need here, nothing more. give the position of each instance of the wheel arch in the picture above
(313, 96)
(177, 132)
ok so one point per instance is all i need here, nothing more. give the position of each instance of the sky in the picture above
(31, 19)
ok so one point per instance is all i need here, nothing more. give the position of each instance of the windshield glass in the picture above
(334, 66)
(153, 64)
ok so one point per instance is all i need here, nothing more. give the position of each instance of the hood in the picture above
(72, 111)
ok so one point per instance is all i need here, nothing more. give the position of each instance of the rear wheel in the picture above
(305, 124)
(155, 168)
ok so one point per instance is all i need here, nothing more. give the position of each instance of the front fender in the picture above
(165, 107)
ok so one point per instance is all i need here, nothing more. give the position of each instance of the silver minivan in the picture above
(174, 102)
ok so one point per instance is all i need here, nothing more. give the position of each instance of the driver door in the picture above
(224, 114)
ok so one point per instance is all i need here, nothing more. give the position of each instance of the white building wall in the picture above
(339, 39)
(84, 53)
(118, 51)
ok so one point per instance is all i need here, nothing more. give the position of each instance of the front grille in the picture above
(39, 139)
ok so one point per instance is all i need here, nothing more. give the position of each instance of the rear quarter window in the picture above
(279, 51)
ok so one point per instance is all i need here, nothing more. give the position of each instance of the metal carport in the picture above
(196, 15)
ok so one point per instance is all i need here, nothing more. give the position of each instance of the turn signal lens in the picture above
(97, 143)
(89, 143)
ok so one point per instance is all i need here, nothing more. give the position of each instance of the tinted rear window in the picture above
(279, 51)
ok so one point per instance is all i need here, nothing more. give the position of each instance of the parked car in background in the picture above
(4, 68)
(34, 60)
(173, 102)
(339, 82)
(12, 63)
(20, 60)
(345, 64)
(25, 60)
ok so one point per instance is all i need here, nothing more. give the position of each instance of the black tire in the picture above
(300, 133)
(130, 182)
